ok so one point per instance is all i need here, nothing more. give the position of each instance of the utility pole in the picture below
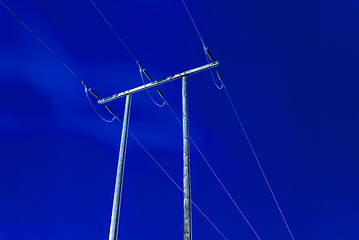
(119, 176)
(187, 218)
(186, 167)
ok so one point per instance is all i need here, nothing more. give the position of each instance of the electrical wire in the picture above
(113, 30)
(174, 182)
(214, 173)
(260, 166)
(109, 121)
(114, 116)
(214, 81)
(40, 40)
(86, 87)
(209, 57)
(194, 24)
(143, 81)
(142, 70)
(205, 48)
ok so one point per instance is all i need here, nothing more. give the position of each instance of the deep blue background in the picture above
(291, 68)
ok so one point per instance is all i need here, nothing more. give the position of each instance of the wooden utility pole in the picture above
(119, 176)
(187, 218)
(121, 159)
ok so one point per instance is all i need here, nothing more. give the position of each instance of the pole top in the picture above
(159, 82)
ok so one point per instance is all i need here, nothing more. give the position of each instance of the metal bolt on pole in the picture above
(119, 176)
(186, 170)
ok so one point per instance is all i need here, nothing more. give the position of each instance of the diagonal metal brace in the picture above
(159, 82)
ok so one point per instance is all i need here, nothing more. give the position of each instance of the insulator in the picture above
(208, 53)
(147, 75)
(218, 75)
(93, 93)
(109, 109)
(138, 63)
(83, 83)
(159, 92)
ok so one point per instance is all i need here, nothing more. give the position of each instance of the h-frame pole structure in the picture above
(121, 158)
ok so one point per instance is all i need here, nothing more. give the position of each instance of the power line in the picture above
(83, 83)
(113, 30)
(194, 24)
(142, 70)
(87, 89)
(210, 58)
(174, 182)
(218, 179)
(259, 165)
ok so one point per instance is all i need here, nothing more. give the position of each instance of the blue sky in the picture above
(290, 68)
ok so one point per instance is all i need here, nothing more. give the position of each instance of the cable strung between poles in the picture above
(143, 81)
(113, 30)
(205, 48)
(87, 89)
(210, 58)
(109, 121)
(142, 70)
(174, 182)
(214, 173)
(260, 166)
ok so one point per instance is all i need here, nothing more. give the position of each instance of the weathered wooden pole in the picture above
(119, 176)
(121, 159)
(186, 170)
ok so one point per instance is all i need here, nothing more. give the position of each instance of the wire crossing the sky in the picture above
(260, 166)
(87, 89)
(142, 70)
(214, 173)
(169, 176)
(210, 58)
(205, 48)
(113, 30)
